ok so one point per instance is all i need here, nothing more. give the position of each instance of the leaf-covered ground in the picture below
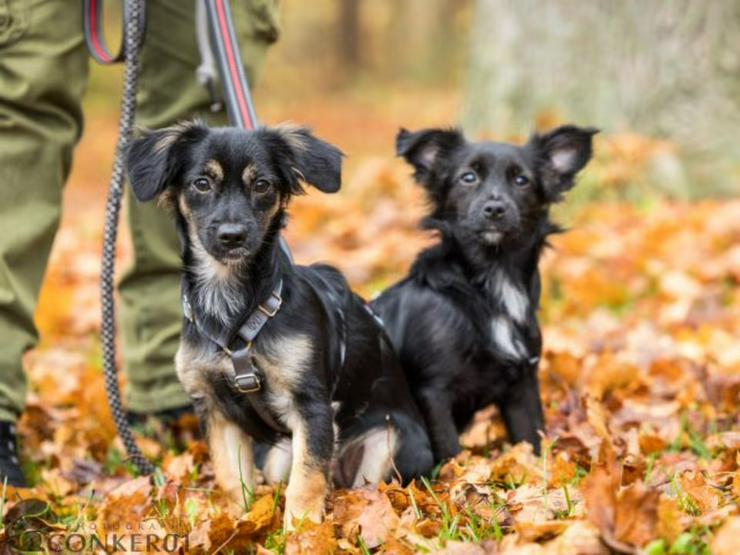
(640, 380)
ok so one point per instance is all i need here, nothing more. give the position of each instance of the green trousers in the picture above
(43, 76)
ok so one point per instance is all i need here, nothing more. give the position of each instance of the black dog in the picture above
(464, 321)
(283, 354)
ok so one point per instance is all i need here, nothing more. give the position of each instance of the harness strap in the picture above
(247, 378)
(92, 23)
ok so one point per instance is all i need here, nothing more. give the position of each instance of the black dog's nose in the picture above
(494, 209)
(232, 235)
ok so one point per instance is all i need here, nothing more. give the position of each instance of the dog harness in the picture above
(247, 378)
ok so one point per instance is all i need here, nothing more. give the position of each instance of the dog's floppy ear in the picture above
(423, 149)
(152, 161)
(313, 160)
(561, 154)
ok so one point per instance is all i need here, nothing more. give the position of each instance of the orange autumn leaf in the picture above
(312, 538)
(367, 514)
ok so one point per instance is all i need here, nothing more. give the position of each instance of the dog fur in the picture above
(229, 189)
(464, 321)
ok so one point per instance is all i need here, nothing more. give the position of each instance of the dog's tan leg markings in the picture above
(232, 457)
(278, 462)
(308, 485)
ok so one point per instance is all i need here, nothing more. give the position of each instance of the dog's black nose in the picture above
(232, 235)
(494, 209)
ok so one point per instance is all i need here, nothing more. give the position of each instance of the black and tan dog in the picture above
(272, 352)
(464, 322)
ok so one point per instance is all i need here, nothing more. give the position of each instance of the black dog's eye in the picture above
(261, 186)
(469, 178)
(521, 180)
(202, 184)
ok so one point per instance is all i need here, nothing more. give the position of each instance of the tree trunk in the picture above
(667, 69)
(349, 33)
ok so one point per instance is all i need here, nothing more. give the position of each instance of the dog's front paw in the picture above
(305, 501)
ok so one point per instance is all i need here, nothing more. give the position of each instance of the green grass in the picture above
(477, 530)
(693, 542)
(685, 502)
(115, 463)
(570, 509)
(248, 494)
(275, 541)
(696, 442)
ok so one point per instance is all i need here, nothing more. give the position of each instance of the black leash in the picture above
(240, 108)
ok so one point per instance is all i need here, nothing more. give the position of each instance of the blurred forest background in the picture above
(667, 71)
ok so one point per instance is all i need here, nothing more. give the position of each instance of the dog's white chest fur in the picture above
(513, 303)
(511, 296)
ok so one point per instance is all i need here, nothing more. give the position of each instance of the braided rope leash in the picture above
(133, 31)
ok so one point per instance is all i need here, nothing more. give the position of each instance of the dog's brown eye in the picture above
(469, 178)
(521, 180)
(202, 184)
(261, 186)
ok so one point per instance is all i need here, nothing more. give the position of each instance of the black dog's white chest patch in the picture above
(507, 338)
(510, 296)
(510, 307)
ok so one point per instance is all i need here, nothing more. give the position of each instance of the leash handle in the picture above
(92, 24)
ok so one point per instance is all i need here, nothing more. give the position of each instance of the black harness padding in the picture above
(247, 378)
(331, 291)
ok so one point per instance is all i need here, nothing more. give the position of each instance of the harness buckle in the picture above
(248, 382)
(271, 306)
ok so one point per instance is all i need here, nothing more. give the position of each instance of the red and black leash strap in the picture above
(92, 22)
(239, 103)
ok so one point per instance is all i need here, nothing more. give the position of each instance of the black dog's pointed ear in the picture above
(151, 160)
(423, 149)
(561, 154)
(314, 161)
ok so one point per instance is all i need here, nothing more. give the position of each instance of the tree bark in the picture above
(668, 69)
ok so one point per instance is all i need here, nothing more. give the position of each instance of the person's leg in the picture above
(150, 289)
(43, 72)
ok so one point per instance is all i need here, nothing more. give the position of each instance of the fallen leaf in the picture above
(314, 539)
(366, 513)
(727, 539)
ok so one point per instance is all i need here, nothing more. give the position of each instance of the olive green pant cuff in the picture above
(158, 396)
(12, 392)
(8, 415)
